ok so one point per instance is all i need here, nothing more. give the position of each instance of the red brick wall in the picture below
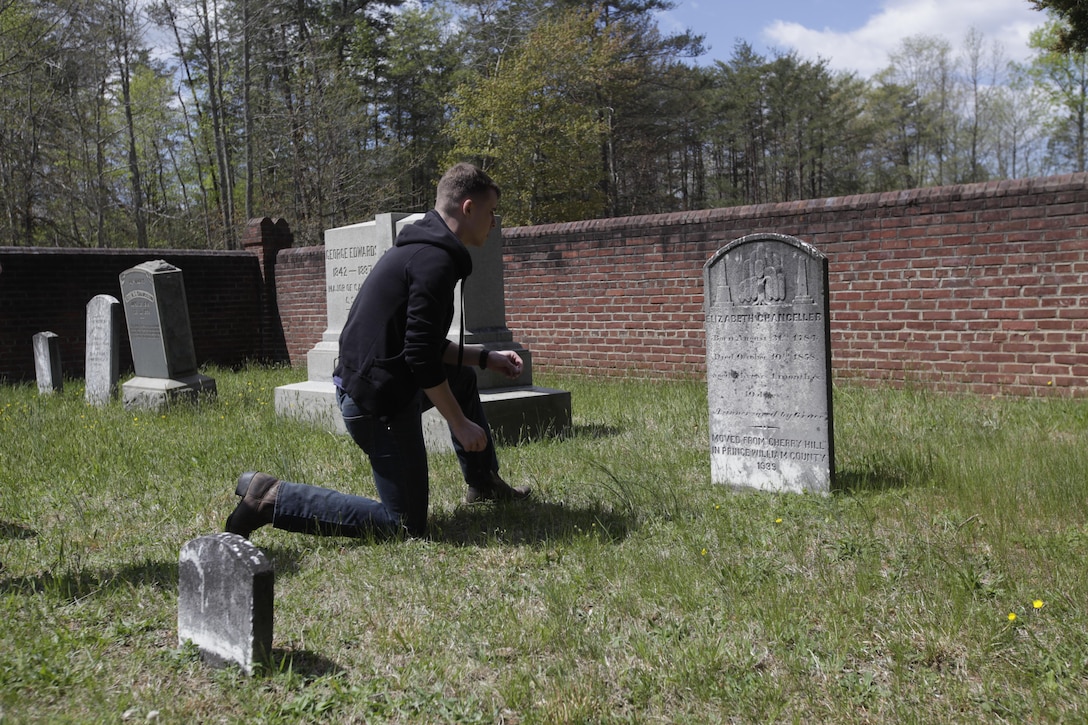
(979, 287)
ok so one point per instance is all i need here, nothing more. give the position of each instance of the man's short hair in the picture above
(463, 181)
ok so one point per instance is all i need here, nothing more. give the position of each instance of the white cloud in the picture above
(866, 48)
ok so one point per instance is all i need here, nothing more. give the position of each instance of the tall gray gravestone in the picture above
(513, 408)
(157, 314)
(769, 365)
(47, 363)
(102, 358)
(225, 600)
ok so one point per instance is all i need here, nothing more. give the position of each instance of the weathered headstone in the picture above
(157, 314)
(47, 363)
(769, 365)
(102, 358)
(513, 407)
(225, 600)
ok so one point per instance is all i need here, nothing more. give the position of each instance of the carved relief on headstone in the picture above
(769, 365)
(225, 600)
(47, 363)
(102, 357)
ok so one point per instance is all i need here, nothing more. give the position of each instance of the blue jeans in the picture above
(398, 458)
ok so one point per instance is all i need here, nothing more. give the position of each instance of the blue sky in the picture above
(852, 35)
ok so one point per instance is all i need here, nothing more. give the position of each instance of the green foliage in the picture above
(423, 66)
(630, 589)
(785, 128)
(1072, 36)
(1062, 77)
(538, 123)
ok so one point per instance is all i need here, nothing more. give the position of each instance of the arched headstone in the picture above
(225, 600)
(769, 365)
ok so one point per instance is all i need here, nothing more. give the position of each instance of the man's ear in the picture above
(466, 207)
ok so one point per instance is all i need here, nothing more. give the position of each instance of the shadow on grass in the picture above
(870, 480)
(592, 431)
(74, 585)
(303, 663)
(526, 523)
(9, 530)
(486, 524)
(595, 431)
(286, 560)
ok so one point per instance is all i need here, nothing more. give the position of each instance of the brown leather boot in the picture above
(258, 492)
(495, 489)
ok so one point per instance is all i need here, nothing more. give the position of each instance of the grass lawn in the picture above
(945, 582)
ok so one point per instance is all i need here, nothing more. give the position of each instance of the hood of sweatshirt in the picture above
(431, 229)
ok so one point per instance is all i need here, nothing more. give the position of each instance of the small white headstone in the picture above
(103, 335)
(47, 363)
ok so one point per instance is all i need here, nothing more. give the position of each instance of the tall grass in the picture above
(944, 582)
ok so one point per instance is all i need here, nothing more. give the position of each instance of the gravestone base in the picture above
(321, 360)
(141, 393)
(517, 413)
(312, 401)
(514, 414)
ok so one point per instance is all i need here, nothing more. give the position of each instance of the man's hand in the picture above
(472, 437)
(506, 362)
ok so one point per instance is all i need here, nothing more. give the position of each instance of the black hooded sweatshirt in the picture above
(395, 335)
